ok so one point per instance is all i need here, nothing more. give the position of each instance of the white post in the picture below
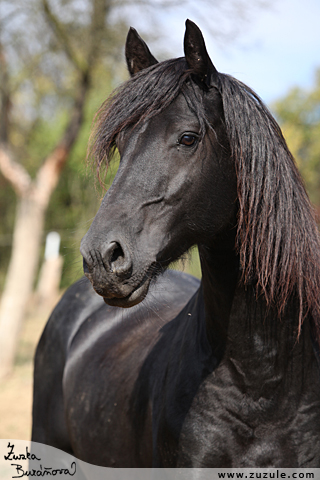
(50, 274)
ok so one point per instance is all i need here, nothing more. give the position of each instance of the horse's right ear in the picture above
(138, 55)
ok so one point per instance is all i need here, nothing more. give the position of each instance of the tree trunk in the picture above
(33, 199)
(34, 195)
(20, 277)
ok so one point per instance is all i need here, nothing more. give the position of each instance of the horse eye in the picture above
(188, 140)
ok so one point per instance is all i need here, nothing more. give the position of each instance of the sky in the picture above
(279, 47)
(284, 51)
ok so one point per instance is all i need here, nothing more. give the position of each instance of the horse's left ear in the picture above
(197, 56)
(138, 54)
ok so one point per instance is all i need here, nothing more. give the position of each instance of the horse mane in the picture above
(277, 238)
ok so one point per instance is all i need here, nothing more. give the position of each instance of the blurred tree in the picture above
(299, 116)
(54, 54)
(59, 58)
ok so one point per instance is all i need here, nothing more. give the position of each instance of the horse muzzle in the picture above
(110, 270)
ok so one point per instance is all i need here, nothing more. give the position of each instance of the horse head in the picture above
(176, 183)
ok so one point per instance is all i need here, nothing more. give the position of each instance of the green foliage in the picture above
(190, 263)
(299, 116)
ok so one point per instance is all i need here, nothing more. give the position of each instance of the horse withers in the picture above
(221, 373)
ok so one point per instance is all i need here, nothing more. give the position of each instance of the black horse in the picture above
(224, 373)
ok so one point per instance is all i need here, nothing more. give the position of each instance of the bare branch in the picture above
(159, 4)
(63, 37)
(4, 97)
(97, 29)
(49, 173)
(14, 172)
(76, 117)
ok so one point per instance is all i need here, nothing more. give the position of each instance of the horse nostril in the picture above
(116, 260)
(85, 266)
(117, 255)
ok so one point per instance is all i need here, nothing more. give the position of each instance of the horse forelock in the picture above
(143, 96)
(278, 239)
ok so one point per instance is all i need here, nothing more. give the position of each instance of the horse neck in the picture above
(244, 334)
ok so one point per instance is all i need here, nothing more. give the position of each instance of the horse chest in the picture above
(227, 428)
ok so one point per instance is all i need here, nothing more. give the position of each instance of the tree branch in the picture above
(63, 37)
(49, 173)
(97, 29)
(14, 172)
(4, 97)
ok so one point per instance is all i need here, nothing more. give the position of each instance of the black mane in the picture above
(278, 238)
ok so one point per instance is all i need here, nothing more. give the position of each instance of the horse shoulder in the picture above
(103, 378)
(51, 353)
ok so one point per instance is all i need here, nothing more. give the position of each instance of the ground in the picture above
(16, 390)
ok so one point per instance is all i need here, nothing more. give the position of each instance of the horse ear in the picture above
(197, 56)
(138, 55)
